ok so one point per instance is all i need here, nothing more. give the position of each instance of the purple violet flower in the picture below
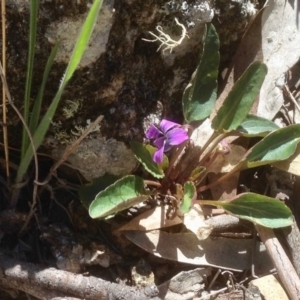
(165, 136)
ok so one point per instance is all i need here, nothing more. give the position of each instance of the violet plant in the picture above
(165, 136)
(177, 167)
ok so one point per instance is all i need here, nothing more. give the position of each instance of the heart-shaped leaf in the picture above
(121, 195)
(259, 209)
(241, 98)
(88, 192)
(143, 155)
(188, 198)
(200, 95)
(256, 126)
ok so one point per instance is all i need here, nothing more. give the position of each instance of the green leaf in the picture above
(276, 146)
(200, 95)
(121, 195)
(256, 126)
(34, 8)
(81, 44)
(259, 209)
(241, 98)
(292, 164)
(88, 192)
(189, 195)
(143, 155)
(165, 163)
(35, 114)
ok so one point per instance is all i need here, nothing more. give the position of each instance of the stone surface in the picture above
(270, 288)
(97, 156)
(67, 29)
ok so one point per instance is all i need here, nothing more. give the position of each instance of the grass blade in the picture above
(35, 115)
(34, 7)
(77, 54)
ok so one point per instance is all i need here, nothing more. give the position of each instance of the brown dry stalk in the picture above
(53, 169)
(284, 267)
(17, 187)
(4, 117)
(52, 283)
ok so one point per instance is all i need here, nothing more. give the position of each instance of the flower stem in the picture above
(178, 152)
(152, 183)
(213, 142)
(207, 166)
(211, 185)
(207, 202)
(185, 174)
(208, 142)
(174, 158)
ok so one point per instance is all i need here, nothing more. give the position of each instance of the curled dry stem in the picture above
(53, 169)
(70, 150)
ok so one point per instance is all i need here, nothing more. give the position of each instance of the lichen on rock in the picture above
(67, 29)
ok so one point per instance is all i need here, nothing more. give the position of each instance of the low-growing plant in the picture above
(35, 124)
(178, 167)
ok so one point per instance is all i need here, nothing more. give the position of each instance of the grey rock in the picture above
(97, 156)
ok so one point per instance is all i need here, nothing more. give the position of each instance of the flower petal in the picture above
(166, 125)
(152, 132)
(158, 156)
(168, 147)
(159, 143)
(176, 136)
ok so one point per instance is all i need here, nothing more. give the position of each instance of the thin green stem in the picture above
(207, 202)
(212, 145)
(213, 184)
(187, 172)
(174, 158)
(209, 163)
(208, 142)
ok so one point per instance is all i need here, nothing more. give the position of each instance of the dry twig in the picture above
(53, 169)
(51, 283)
(284, 267)
(291, 97)
(4, 117)
(10, 102)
